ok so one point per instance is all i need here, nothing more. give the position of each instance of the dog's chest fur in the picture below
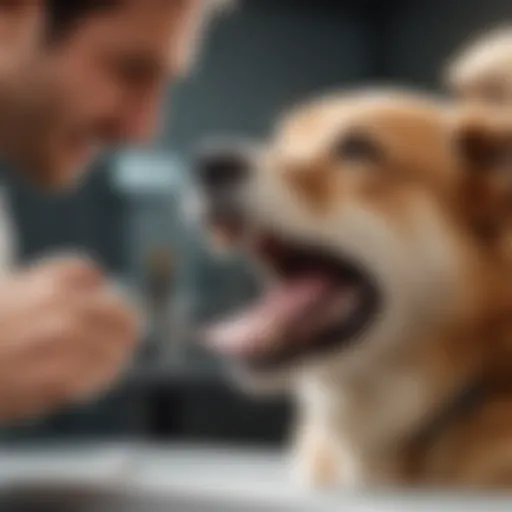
(370, 433)
(360, 426)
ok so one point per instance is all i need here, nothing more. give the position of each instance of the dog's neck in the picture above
(375, 415)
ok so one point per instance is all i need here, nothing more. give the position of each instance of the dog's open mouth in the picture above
(320, 301)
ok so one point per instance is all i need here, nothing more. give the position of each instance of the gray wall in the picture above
(270, 54)
(422, 33)
(263, 58)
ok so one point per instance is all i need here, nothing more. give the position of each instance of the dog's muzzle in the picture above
(223, 172)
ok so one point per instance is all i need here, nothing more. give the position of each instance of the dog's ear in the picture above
(484, 144)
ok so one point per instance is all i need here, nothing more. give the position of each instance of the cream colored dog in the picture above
(379, 218)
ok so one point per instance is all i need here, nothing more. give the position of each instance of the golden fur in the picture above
(429, 216)
(430, 163)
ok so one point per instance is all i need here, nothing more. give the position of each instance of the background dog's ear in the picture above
(484, 143)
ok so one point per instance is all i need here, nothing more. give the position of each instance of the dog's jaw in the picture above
(393, 194)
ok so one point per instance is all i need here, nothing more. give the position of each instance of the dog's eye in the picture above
(358, 147)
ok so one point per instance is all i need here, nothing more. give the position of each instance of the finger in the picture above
(101, 331)
(56, 379)
(35, 338)
(115, 327)
(60, 375)
(94, 379)
(41, 389)
(80, 274)
(71, 272)
(102, 351)
(107, 312)
(95, 367)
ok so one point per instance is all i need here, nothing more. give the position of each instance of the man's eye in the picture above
(358, 147)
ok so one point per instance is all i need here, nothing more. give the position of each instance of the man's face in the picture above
(100, 85)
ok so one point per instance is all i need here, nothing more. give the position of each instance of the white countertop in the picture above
(206, 478)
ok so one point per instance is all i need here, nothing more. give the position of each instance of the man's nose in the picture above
(141, 122)
(222, 169)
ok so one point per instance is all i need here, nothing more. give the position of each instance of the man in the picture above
(76, 76)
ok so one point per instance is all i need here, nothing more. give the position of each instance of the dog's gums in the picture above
(320, 301)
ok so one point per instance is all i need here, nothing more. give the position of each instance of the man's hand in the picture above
(65, 336)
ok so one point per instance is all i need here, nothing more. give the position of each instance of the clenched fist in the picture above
(65, 336)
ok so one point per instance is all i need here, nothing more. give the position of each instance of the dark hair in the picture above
(63, 15)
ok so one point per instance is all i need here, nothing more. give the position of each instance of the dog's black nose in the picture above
(220, 169)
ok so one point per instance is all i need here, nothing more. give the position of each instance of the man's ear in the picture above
(484, 145)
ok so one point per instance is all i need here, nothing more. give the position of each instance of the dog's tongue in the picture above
(264, 325)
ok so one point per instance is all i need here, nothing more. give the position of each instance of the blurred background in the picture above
(259, 60)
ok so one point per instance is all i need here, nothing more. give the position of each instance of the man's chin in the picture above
(54, 179)
(54, 183)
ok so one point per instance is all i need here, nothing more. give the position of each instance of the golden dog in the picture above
(379, 219)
